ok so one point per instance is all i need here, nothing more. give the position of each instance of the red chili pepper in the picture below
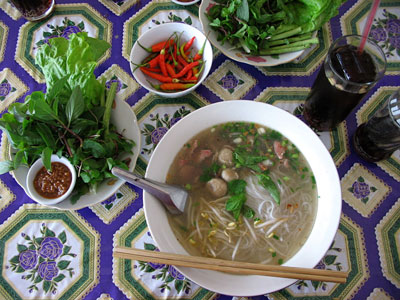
(157, 47)
(187, 68)
(189, 44)
(162, 62)
(199, 54)
(154, 70)
(168, 58)
(159, 77)
(179, 67)
(170, 70)
(182, 61)
(173, 86)
(149, 58)
(154, 62)
(189, 74)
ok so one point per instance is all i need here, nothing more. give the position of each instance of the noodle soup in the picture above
(252, 195)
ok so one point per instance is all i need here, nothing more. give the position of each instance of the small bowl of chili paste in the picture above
(49, 187)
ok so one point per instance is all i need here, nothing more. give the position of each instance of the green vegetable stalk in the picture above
(108, 105)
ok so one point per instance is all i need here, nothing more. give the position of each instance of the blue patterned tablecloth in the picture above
(46, 253)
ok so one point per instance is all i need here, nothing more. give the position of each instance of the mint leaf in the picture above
(96, 148)
(210, 172)
(235, 202)
(248, 212)
(237, 186)
(243, 11)
(270, 186)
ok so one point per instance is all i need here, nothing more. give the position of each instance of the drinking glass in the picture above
(379, 137)
(343, 80)
(34, 10)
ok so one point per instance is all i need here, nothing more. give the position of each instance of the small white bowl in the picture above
(158, 34)
(185, 3)
(37, 165)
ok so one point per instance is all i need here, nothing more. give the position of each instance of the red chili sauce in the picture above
(55, 183)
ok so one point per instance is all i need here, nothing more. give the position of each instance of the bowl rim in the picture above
(185, 3)
(249, 285)
(36, 166)
(172, 26)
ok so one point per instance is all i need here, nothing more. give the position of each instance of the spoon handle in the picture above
(159, 190)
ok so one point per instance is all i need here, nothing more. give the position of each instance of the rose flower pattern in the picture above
(42, 259)
(28, 259)
(51, 248)
(386, 32)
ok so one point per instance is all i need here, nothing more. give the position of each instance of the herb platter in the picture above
(125, 121)
(238, 54)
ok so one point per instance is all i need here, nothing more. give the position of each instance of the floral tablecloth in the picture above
(47, 253)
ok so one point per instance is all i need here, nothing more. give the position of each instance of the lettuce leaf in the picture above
(311, 14)
(76, 60)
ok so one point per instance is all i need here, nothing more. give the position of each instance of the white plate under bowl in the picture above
(325, 172)
(237, 54)
(123, 117)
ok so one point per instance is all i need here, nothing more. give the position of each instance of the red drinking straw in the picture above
(368, 25)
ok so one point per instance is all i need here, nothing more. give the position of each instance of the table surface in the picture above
(78, 245)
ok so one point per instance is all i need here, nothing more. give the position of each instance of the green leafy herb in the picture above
(243, 158)
(237, 200)
(248, 212)
(270, 186)
(210, 172)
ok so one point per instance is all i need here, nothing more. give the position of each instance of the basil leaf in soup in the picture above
(270, 186)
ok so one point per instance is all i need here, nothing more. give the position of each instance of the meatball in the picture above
(217, 187)
(225, 156)
(229, 175)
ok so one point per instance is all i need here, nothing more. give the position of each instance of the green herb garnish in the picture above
(210, 172)
(270, 186)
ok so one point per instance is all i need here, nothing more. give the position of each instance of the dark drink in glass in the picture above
(379, 137)
(343, 80)
(34, 10)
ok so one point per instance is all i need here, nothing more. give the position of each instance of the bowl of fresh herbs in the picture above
(79, 117)
(265, 33)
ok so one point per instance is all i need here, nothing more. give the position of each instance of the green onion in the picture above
(280, 261)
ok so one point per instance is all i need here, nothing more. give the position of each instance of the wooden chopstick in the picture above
(234, 267)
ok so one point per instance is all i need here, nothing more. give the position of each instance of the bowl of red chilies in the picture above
(171, 59)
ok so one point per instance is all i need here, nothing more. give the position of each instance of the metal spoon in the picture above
(173, 197)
